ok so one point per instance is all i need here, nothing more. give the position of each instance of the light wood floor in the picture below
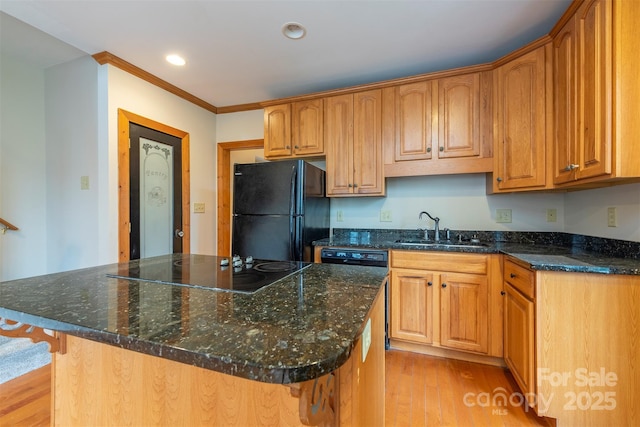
(421, 391)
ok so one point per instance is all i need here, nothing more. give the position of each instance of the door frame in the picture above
(224, 189)
(124, 218)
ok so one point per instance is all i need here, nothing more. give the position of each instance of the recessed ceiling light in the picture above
(293, 30)
(176, 60)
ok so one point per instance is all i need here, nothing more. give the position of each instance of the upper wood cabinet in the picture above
(521, 122)
(416, 121)
(583, 89)
(277, 131)
(597, 93)
(353, 140)
(294, 130)
(459, 116)
(441, 126)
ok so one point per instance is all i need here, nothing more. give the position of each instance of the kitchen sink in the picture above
(443, 245)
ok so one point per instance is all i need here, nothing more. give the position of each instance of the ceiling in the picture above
(236, 53)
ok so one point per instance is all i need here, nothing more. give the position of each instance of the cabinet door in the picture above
(593, 27)
(411, 299)
(308, 127)
(338, 134)
(415, 118)
(367, 143)
(521, 122)
(564, 89)
(519, 338)
(459, 116)
(464, 310)
(277, 131)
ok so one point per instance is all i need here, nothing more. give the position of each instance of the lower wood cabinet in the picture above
(445, 300)
(519, 327)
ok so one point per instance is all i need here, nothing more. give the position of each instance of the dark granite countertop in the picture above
(541, 251)
(298, 328)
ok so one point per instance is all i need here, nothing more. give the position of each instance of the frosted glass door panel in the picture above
(156, 198)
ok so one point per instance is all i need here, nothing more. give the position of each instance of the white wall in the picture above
(22, 169)
(137, 96)
(460, 201)
(73, 223)
(586, 212)
(240, 126)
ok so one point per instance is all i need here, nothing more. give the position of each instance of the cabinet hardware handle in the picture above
(296, 147)
(503, 293)
(441, 148)
(288, 147)
(499, 179)
(355, 185)
(512, 275)
(429, 283)
(350, 185)
(428, 149)
(444, 285)
(571, 167)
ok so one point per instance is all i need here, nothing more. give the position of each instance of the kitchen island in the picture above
(306, 349)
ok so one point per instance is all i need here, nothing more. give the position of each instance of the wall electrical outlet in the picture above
(198, 208)
(84, 182)
(612, 217)
(339, 216)
(552, 215)
(366, 339)
(503, 215)
(385, 216)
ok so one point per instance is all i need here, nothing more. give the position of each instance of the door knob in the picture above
(178, 233)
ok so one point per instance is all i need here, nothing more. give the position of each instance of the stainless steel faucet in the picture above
(436, 229)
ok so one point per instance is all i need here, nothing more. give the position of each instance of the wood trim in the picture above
(522, 51)
(568, 14)
(223, 169)
(6, 225)
(12, 329)
(383, 84)
(109, 58)
(124, 119)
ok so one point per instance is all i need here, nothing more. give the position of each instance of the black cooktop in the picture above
(205, 271)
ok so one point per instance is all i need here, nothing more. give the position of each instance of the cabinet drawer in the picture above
(520, 278)
(440, 261)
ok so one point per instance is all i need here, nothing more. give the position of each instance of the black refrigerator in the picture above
(279, 209)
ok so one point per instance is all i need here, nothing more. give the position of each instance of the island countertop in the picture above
(296, 329)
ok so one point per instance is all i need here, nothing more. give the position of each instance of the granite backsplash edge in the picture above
(577, 242)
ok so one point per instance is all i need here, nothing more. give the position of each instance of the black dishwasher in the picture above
(364, 257)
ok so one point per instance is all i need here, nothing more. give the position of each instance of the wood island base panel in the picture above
(99, 384)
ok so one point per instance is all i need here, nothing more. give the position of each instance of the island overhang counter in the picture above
(156, 353)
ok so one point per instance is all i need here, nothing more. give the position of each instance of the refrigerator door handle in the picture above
(292, 211)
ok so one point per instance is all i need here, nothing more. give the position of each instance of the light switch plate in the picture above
(339, 216)
(385, 216)
(198, 208)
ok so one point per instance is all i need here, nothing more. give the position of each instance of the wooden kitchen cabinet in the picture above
(459, 116)
(464, 309)
(353, 137)
(294, 130)
(412, 305)
(597, 93)
(519, 332)
(444, 301)
(441, 126)
(522, 91)
(570, 341)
